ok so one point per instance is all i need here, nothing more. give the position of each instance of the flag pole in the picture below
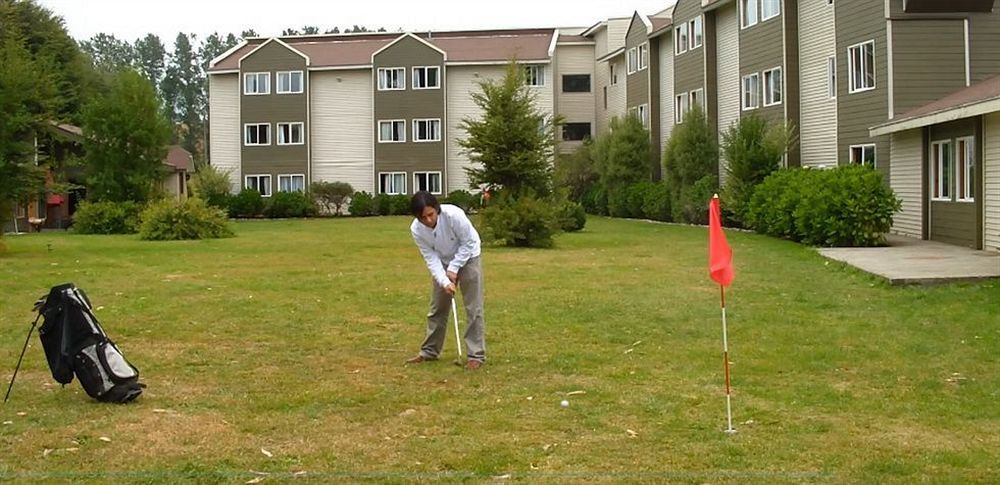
(725, 359)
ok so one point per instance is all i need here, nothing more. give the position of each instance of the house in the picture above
(177, 168)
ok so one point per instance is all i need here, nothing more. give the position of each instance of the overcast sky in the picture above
(131, 19)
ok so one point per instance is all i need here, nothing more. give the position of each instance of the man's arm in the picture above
(434, 263)
(468, 242)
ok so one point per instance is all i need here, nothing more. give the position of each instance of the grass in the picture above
(290, 338)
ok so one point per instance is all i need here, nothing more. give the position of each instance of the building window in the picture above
(427, 130)
(290, 82)
(290, 133)
(861, 67)
(772, 87)
(391, 78)
(392, 131)
(643, 56)
(427, 77)
(643, 114)
(632, 61)
(256, 134)
(576, 83)
(429, 181)
(613, 74)
(831, 77)
(680, 39)
(681, 103)
(966, 176)
(257, 83)
(751, 91)
(392, 183)
(605, 97)
(291, 183)
(698, 98)
(575, 131)
(696, 32)
(942, 166)
(260, 183)
(534, 75)
(863, 154)
(749, 13)
(769, 9)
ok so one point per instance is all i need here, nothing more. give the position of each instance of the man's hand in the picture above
(450, 289)
(453, 276)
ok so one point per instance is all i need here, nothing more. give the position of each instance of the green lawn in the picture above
(291, 337)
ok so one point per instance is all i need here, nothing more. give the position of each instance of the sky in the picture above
(132, 19)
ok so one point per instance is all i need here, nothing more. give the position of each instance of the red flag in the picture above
(720, 256)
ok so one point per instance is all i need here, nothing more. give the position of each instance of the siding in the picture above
(991, 177)
(637, 89)
(602, 81)
(666, 67)
(616, 93)
(225, 130)
(689, 67)
(926, 71)
(576, 107)
(954, 222)
(984, 37)
(343, 128)
(728, 59)
(617, 28)
(906, 174)
(818, 112)
(462, 82)
(762, 49)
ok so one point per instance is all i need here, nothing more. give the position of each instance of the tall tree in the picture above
(125, 137)
(287, 32)
(213, 46)
(246, 34)
(150, 58)
(184, 93)
(109, 53)
(310, 30)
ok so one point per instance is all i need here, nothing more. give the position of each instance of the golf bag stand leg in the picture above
(19, 359)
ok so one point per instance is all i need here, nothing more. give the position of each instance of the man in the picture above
(451, 248)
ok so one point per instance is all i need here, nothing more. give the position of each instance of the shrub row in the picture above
(161, 220)
(644, 200)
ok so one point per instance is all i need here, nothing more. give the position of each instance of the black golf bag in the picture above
(75, 343)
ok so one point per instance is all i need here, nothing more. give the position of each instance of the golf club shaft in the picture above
(458, 339)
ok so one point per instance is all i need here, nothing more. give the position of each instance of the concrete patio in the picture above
(909, 261)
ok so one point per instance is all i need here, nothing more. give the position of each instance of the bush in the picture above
(171, 220)
(107, 218)
(331, 196)
(382, 205)
(618, 202)
(691, 155)
(525, 222)
(692, 204)
(576, 172)
(753, 149)
(362, 204)
(211, 185)
(248, 203)
(596, 201)
(622, 157)
(847, 206)
(656, 203)
(399, 205)
(468, 201)
(289, 204)
(571, 215)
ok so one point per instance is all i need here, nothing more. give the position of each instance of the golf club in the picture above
(458, 339)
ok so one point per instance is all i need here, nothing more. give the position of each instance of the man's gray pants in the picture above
(470, 283)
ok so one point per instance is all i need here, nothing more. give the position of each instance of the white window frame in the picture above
(632, 61)
(864, 148)
(965, 183)
(280, 132)
(697, 95)
(422, 75)
(534, 75)
(696, 32)
(393, 122)
(392, 176)
(291, 182)
(416, 183)
(257, 75)
(777, 10)
(831, 77)
(851, 68)
(246, 134)
(643, 56)
(383, 79)
(681, 106)
(745, 21)
(938, 184)
(754, 101)
(642, 111)
(290, 75)
(429, 121)
(770, 76)
(258, 177)
(680, 39)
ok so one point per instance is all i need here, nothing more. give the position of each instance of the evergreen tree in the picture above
(335, 30)
(150, 56)
(109, 53)
(125, 137)
(246, 34)
(691, 159)
(184, 93)
(310, 30)
(622, 156)
(753, 149)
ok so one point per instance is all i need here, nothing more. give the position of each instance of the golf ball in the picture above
(564, 403)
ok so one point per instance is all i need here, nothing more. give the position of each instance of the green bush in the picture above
(171, 220)
(211, 185)
(248, 203)
(753, 148)
(691, 155)
(382, 205)
(289, 204)
(571, 215)
(362, 204)
(107, 218)
(468, 201)
(331, 196)
(692, 204)
(656, 203)
(618, 202)
(596, 201)
(622, 157)
(576, 173)
(525, 222)
(846, 206)
(399, 205)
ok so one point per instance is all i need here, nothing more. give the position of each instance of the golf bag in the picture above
(75, 343)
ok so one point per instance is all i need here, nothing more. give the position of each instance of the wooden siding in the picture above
(616, 93)
(984, 40)
(462, 82)
(224, 129)
(907, 181)
(817, 111)
(762, 49)
(617, 29)
(790, 90)
(666, 68)
(637, 89)
(860, 21)
(689, 67)
(602, 85)
(728, 58)
(928, 61)
(991, 179)
(342, 128)
(575, 107)
(954, 222)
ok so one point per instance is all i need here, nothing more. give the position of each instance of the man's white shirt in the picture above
(447, 247)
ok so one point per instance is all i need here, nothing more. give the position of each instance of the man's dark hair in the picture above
(421, 200)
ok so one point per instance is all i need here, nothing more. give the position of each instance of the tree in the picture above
(691, 159)
(332, 195)
(109, 53)
(310, 30)
(622, 156)
(576, 173)
(753, 148)
(211, 185)
(512, 145)
(335, 30)
(125, 137)
(246, 34)
(184, 94)
(287, 32)
(150, 58)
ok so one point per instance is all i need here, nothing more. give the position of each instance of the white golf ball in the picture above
(564, 403)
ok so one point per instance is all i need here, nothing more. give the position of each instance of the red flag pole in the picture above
(725, 359)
